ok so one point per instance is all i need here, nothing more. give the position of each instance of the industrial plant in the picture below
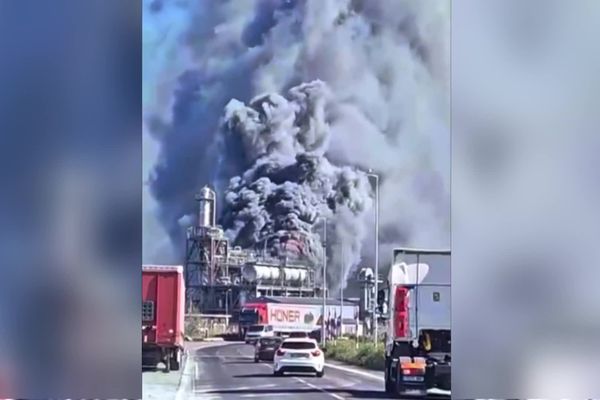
(220, 278)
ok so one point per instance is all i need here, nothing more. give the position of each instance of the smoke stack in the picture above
(206, 207)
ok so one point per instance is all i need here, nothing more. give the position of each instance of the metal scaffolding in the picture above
(220, 278)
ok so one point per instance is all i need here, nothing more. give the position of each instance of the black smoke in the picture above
(289, 186)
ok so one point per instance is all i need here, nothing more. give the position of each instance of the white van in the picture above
(256, 332)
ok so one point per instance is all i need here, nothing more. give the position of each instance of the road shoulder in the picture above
(367, 373)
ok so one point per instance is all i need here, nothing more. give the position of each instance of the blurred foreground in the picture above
(70, 162)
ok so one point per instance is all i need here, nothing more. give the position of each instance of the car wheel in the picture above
(278, 373)
(255, 359)
(321, 373)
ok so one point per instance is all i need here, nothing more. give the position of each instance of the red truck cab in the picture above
(163, 306)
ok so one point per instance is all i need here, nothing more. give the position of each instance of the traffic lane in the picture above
(229, 372)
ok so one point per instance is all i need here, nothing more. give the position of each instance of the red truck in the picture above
(163, 306)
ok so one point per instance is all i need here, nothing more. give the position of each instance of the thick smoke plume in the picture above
(386, 67)
(290, 183)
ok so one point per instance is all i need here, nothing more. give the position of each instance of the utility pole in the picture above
(324, 281)
(342, 290)
(227, 308)
(375, 322)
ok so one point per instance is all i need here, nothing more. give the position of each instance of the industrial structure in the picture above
(367, 312)
(221, 278)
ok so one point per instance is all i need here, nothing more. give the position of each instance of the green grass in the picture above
(366, 355)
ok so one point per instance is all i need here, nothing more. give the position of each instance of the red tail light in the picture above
(316, 353)
(280, 352)
(413, 368)
(413, 371)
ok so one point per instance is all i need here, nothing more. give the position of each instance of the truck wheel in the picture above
(167, 365)
(389, 387)
(445, 383)
(175, 360)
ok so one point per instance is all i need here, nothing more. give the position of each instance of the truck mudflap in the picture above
(415, 372)
(406, 376)
(438, 376)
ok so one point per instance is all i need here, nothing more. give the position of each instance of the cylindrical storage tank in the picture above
(271, 273)
(294, 274)
(207, 213)
(254, 273)
(303, 274)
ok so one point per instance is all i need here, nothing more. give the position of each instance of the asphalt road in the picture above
(229, 372)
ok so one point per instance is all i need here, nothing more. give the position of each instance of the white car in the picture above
(299, 355)
(256, 332)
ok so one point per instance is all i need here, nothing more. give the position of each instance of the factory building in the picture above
(221, 278)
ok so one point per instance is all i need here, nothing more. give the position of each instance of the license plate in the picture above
(413, 378)
(298, 355)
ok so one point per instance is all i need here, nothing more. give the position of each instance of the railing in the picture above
(202, 326)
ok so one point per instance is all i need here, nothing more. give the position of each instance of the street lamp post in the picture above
(342, 291)
(375, 324)
(324, 240)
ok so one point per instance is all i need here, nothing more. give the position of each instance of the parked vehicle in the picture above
(298, 335)
(299, 355)
(265, 348)
(163, 306)
(418, 337)
(255, 332)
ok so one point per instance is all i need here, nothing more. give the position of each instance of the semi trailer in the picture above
(283, 315)
(163, 307)
(415, 301)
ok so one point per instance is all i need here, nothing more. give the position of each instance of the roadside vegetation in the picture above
(362, 354)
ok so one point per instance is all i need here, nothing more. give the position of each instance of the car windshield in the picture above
(269, 342)
(298, 345)
(256, 328)
(298, 335)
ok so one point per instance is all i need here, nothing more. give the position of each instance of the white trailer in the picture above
(285, 315)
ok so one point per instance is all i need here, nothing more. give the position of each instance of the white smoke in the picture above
(386, 64)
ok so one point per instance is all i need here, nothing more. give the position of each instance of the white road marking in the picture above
(216, 356)
(356, 371)
(261, 395)
(195, 375)
(335, 396)
(231, 388)
(185, 378)
(439, 392)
